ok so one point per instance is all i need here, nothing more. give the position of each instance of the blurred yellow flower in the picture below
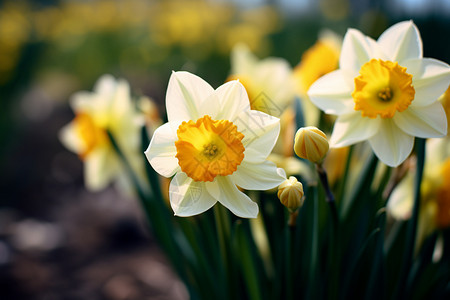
(107, 108)
(320, 59)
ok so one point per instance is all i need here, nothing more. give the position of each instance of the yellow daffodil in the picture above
(107, 108)
(384, 92)
(435, 191)
(318, 60)
(269, 82)
(322, 58)
(212, 143)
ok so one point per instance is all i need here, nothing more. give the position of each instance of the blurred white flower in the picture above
(107, 108)
(213, 143)
(269, 82)
(384, 92)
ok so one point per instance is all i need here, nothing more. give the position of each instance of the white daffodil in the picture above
(269, 82)
(108, 107)
(384, 92)
(213, 143)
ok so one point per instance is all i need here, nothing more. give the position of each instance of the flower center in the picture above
(382, 88)
(385, 94)
(89, 133)
(207, 148)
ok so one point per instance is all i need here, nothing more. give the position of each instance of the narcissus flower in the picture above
(269, 82)
(384, 92)
(107, 108)
(213, 143)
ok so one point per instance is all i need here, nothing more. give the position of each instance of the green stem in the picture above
(290, 249)
(334, 241)
(224, 236)
(412, 223)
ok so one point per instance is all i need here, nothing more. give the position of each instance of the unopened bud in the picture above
(290, 193)
(311, 143)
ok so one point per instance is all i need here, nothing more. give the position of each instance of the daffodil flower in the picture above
(212, 143)
(107, 108)
(384, 92)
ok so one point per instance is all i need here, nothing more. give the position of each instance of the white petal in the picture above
(232, 100)
(353, 128)
(189, 197)
(276, 85)
(100, 167)
(226, 192)
(121, 102)
(357, 49)
(161, 151)
(425, 122)
(70, 139)
(81, 101)
(332, 94)
(242, 60)
(431, 78)
(391, 145)
(401, 41)
(185, 94)
(253, 155)
(105, 85)
(260, 176)
(260, 132)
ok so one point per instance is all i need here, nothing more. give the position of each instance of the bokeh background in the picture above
(59, 241)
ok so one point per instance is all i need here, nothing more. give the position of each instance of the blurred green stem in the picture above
(329, 195)
(156, 216)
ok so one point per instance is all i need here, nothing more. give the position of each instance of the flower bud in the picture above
(290, 193)
(311, 143)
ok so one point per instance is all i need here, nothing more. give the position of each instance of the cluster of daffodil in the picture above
(198, 27)
(362, 214)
